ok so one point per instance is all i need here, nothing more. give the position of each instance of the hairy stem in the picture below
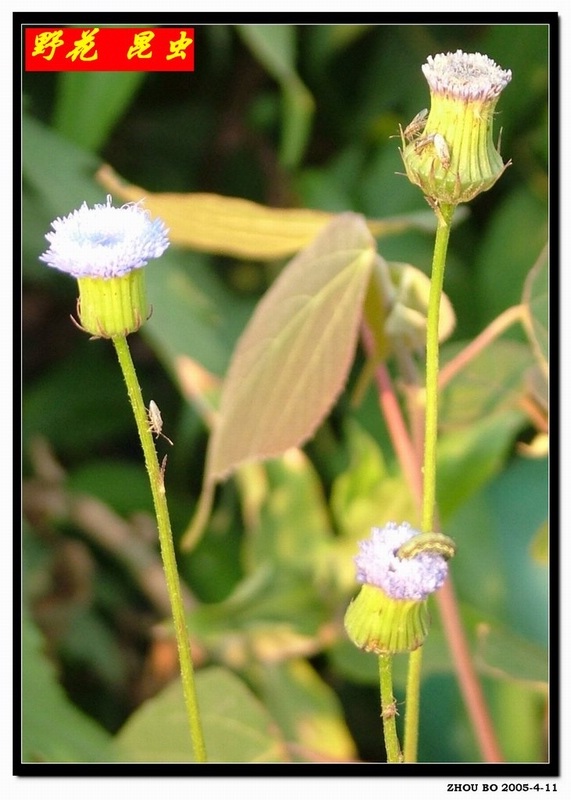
(389, 709)
(156, 479)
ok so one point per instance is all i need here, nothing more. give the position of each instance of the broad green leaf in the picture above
(89, 104)
(470, 456)
(364, 495)
(272, 615)
(519, 502)
(498, 650)
(516, 234)
(536, 308)
(493, 569)
(194, 314)
(274, 47)
(236, 726)
(57, 177)
(306, 709)
(292, 360)
(504, 654)
(240, 228)
(480, 415)
(490, 383)
(53, 729)
(291, 523)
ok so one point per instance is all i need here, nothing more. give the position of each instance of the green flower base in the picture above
(110, 307)
(378, 624)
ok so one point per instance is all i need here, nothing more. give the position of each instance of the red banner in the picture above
(109, 49)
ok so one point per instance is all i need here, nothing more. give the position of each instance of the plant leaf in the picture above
(365, 494)
(505, 654)
(273, 614)
(237, 728)
(53, 729)
(291, 523)
(490, 383)
(470, 456)
(226, 225)
(88, 104)
(536, 304)
(291, 362)
(306, 709)
(240, 228)
(274, 46)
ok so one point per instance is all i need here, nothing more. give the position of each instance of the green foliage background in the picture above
(293, 116)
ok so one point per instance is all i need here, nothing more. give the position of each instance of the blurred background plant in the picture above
(302, 117)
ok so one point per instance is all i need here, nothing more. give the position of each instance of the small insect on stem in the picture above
(156, 421)
(433, 543)
(390, 710)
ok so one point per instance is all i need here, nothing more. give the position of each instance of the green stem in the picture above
(432, 363)
(412, 706)
(389, 710)
(444, 214)
(166, 544)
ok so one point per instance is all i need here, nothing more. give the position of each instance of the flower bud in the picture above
(105, 248)
(453, 158)
(379, 624)
(399, 568)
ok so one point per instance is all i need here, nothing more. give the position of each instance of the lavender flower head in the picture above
(412, 578)
(469, 76)
(103, 241)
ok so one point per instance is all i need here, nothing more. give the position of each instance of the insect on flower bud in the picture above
(453, 158)
(399, 568)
